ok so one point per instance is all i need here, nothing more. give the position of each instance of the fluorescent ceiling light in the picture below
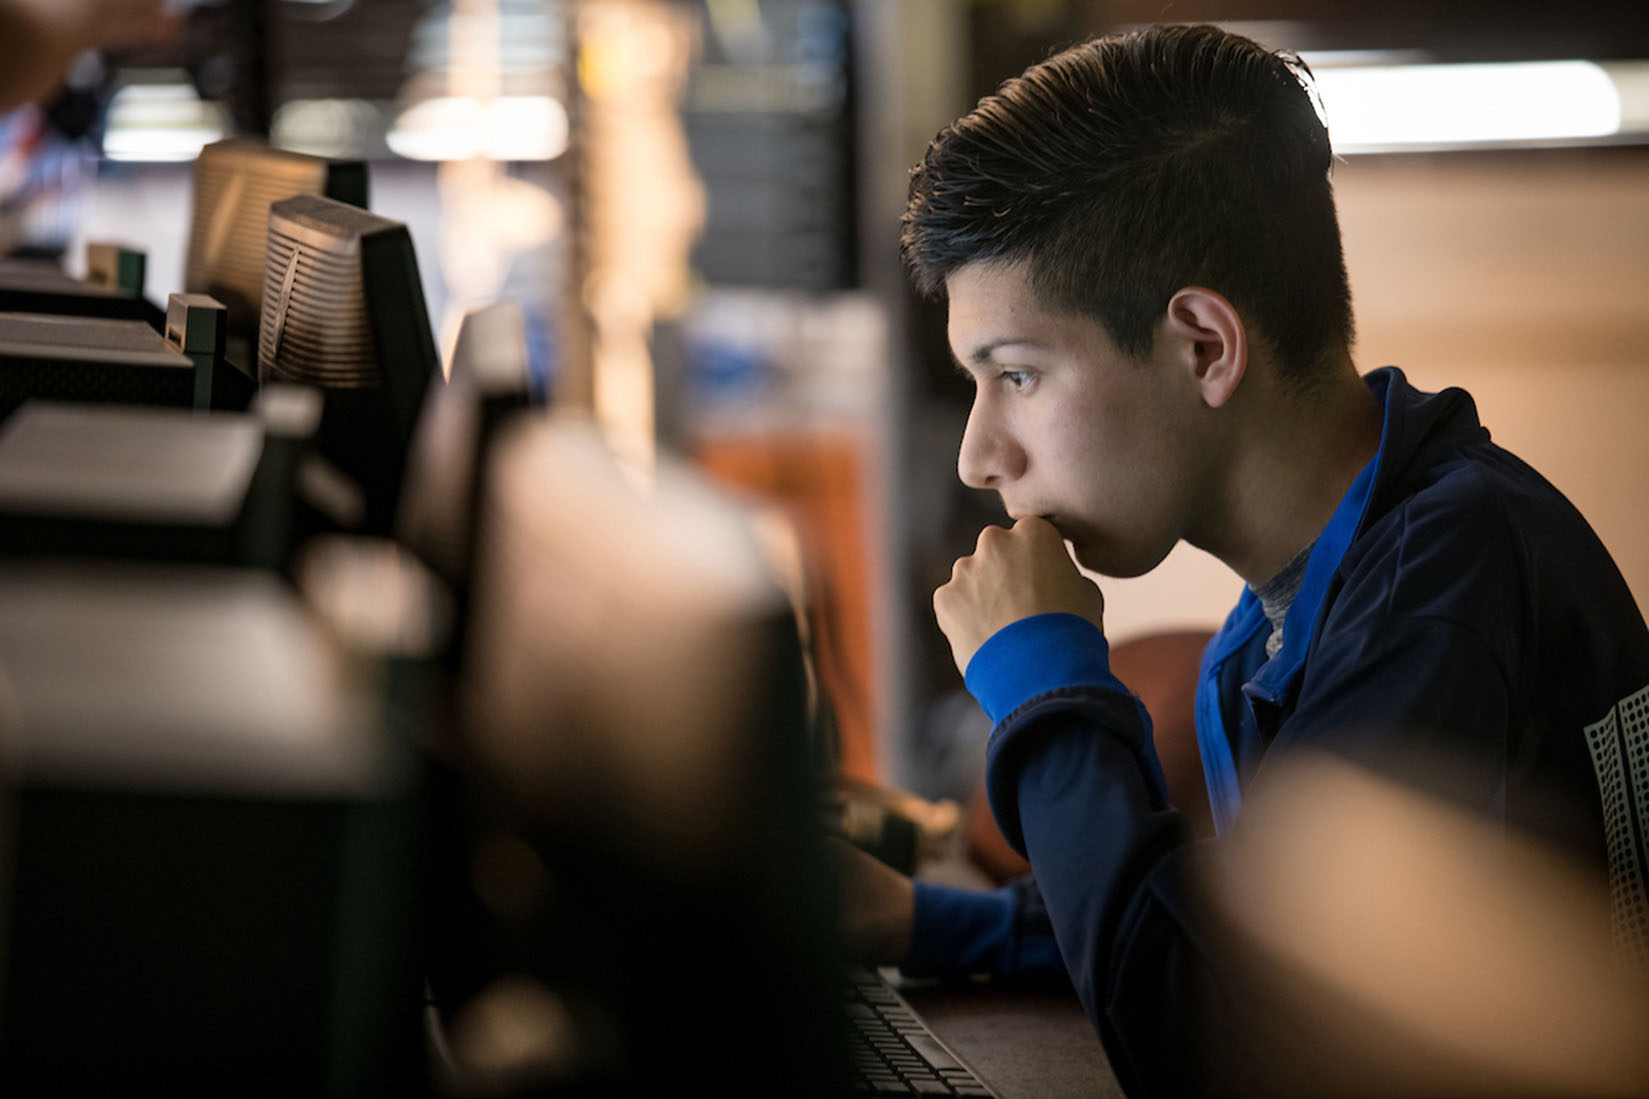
(509, 127)
(161, 122)
(327, 127)
(1379, 108)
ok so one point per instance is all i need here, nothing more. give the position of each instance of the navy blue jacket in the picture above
(1456, 603)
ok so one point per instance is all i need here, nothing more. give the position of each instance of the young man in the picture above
(1138, 243)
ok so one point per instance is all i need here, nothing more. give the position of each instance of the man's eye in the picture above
(1016, 379)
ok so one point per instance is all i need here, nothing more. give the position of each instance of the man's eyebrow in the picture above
(982, 354)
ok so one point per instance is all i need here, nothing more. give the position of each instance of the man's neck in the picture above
(1296, 457)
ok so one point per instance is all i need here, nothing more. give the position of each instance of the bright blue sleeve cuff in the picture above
(959, 931)
(1035, 655)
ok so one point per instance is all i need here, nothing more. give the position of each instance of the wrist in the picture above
(1035, 655)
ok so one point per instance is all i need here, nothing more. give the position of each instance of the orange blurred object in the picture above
(817, 476)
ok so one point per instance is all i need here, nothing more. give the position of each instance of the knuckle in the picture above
(1038, 527)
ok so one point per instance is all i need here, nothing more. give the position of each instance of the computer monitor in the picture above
(343, 311)
(235, 182)
(94, 360)
(633, 700)
(207, 881)
(112, 288)
(490, 378)
(153, 483)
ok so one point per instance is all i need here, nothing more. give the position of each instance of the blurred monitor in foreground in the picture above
(343, 311)
(1397, 944)
(235, 182)
(490, 379)
(634, 708)
(207, 877)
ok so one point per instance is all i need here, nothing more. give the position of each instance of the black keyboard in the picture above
(894, 1053)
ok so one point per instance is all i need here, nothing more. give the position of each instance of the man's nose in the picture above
(990, 456)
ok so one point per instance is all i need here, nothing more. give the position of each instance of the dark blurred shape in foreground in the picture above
(1395, 944)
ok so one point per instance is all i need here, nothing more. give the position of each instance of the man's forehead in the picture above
(992, 305)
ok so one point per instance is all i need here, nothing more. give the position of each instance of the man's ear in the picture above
(1207, 334)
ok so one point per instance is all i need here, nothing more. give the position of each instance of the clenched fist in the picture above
(1012, 574)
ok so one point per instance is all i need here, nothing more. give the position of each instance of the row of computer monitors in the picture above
(189, 748)
(221, 848)
(290, 281)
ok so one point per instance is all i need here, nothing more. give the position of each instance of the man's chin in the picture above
(1108, 559)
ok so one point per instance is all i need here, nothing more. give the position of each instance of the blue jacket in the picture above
(1456, 604)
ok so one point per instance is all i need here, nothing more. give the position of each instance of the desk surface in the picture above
(1025, 1044)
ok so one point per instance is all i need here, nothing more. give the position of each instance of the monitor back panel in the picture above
(89, 360)
(206, 882)
(633, 686)
(115, 481)
(343, 310)
(39, 286)
(235, 183)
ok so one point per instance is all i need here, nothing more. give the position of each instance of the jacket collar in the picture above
(1414, 426)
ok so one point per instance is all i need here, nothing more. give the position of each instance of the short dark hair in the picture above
(1128, 167)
